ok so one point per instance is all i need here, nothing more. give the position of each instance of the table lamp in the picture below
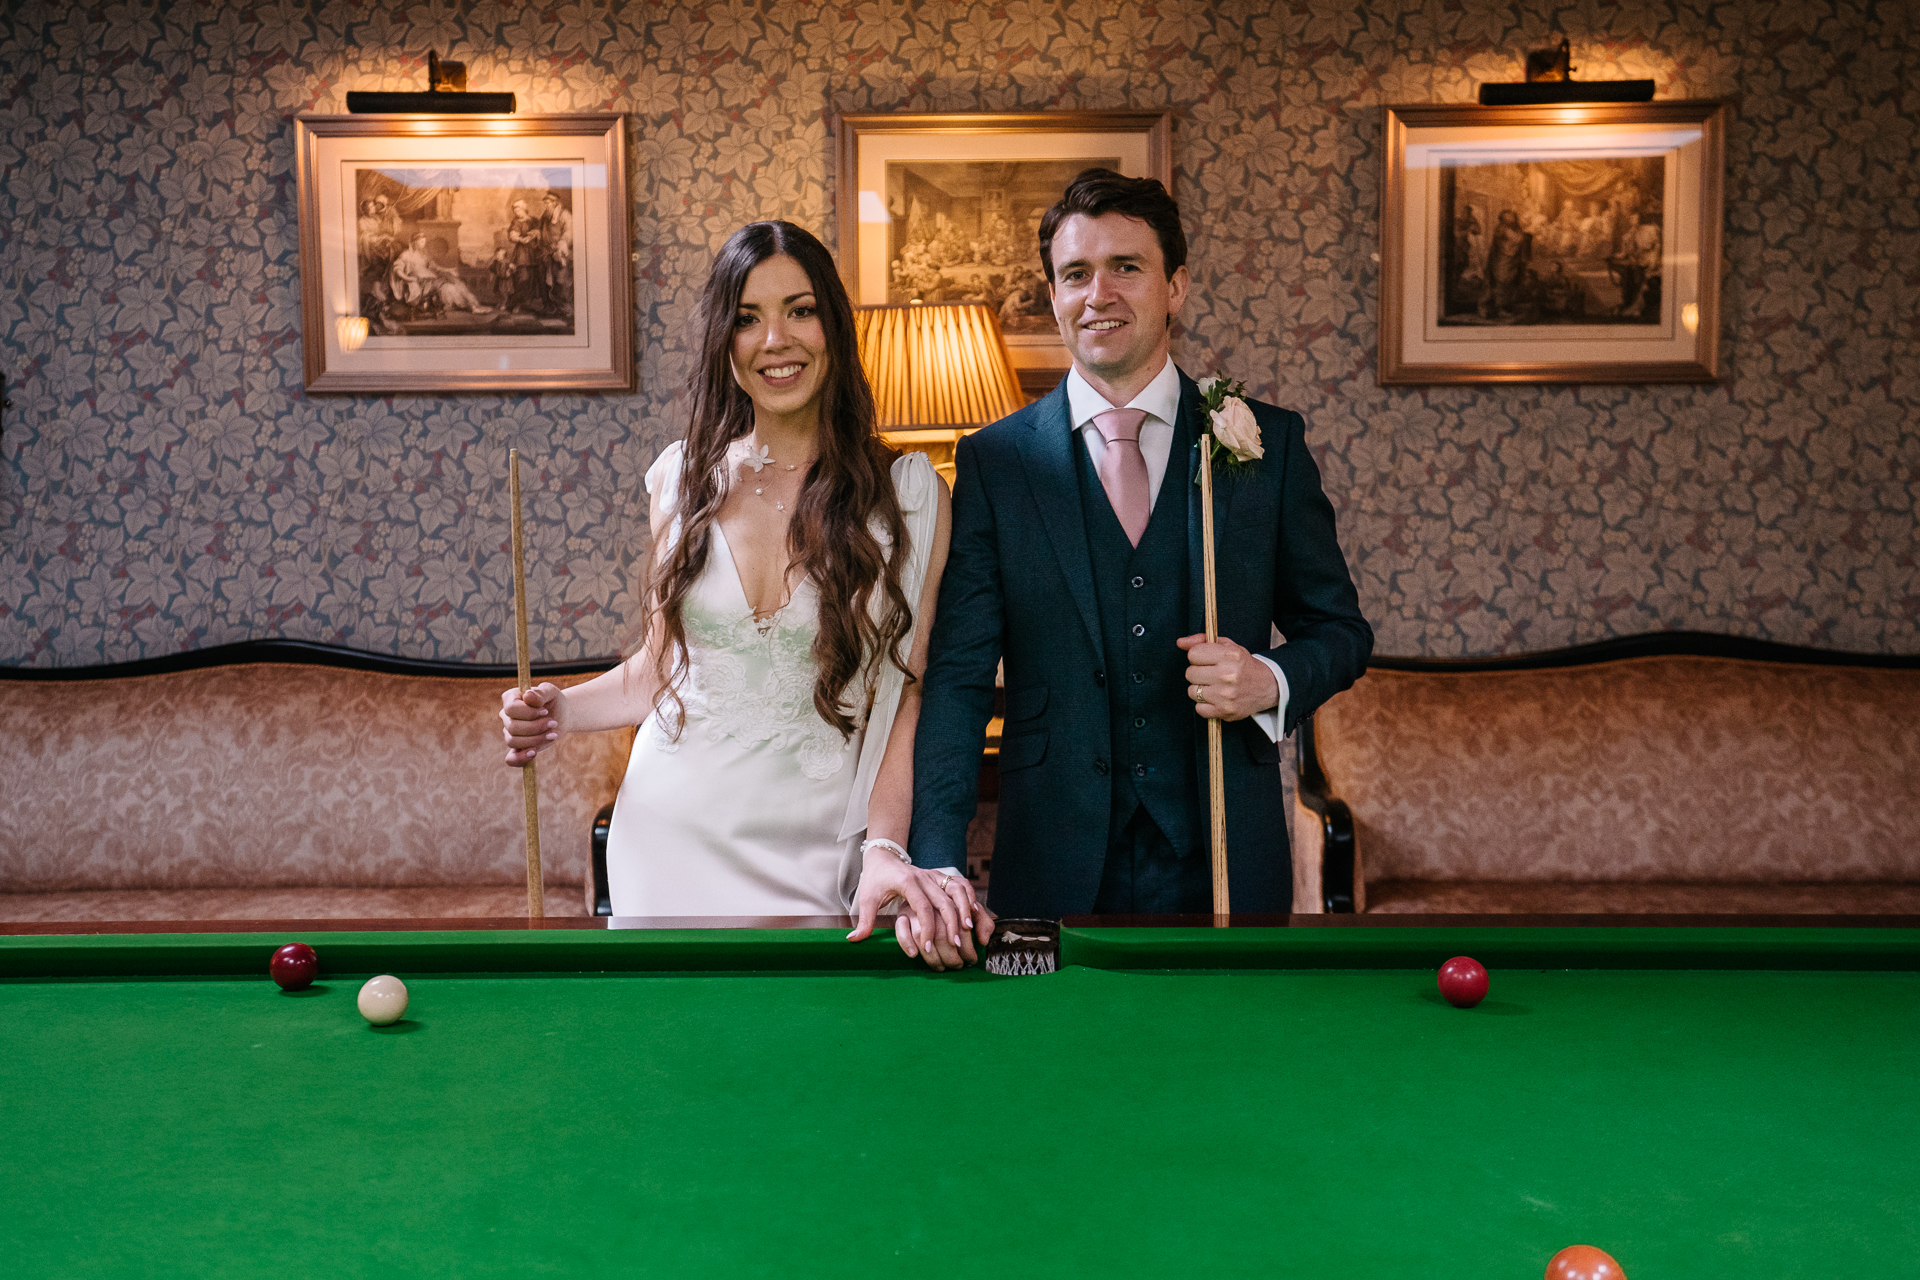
(938, 371)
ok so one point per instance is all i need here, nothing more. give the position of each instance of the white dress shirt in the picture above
(1160, 400)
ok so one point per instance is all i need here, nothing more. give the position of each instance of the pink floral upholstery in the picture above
(1479, 897)
(495, 902)
(309, 785)
(1663, 777)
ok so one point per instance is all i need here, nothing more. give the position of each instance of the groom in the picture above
(1075, 560)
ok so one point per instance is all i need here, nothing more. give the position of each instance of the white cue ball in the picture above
(383, 1000)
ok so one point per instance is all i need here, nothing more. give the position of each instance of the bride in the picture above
(788, 609)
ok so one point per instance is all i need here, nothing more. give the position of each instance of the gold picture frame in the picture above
(1566, 243)
(943, 207)
(465, 253)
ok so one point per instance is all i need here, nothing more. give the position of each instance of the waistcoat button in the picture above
(1138, 678)
(1139, 582)
(1139, 628)
(1139, 771)
(1100, 766)
(1100, 678)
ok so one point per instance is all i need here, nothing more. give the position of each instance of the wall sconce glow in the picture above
(352, 331)
(1690, 317)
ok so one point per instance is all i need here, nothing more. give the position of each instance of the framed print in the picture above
(482, 253)
(1566, 243)
(946, 208)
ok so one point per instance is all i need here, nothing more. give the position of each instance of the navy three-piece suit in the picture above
(1100, 741)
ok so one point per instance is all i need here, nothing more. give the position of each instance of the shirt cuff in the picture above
(1272, 720)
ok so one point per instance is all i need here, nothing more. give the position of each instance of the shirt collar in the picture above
(1160, 398)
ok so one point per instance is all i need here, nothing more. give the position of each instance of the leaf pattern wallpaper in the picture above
(165, 483)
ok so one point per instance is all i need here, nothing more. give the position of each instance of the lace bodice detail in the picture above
(753, 682)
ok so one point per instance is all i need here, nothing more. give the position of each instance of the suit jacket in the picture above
(1018, 587)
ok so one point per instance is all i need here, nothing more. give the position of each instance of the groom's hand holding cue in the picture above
(1225, 681)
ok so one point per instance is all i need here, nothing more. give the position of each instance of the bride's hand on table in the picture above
(940, 918)
(531, 722)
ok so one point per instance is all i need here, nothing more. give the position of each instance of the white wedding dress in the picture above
(759, 808)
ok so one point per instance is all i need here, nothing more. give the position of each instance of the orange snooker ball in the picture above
(1583, 1262)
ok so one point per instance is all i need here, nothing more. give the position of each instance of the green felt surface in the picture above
(1096, 1122)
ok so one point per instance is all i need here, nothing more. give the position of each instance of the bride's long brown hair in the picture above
(848, 488)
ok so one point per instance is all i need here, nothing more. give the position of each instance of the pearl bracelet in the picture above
(883, 843)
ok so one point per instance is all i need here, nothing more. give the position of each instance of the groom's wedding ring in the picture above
(1195, 692)
(944, 880)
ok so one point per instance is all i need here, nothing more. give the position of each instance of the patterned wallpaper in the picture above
(165, 484)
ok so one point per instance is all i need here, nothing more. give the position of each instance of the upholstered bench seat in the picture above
(335, 785)
(287, 904)
(1716, 776)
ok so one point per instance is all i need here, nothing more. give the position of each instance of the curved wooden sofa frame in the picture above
(1329, 822)
(311, 653)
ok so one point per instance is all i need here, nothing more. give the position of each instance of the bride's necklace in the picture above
(764, 623)
(759, 462)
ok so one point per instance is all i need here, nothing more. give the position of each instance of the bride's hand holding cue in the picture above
(531, 722)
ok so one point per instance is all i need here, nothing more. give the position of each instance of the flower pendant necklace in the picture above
(761, 461)
(758, 462)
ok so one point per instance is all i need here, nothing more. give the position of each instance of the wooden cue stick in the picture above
(529, 780)
(1216, 777)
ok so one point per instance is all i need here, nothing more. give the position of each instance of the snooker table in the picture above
(1282, 1097)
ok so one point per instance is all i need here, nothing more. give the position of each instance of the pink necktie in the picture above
(1123, 470)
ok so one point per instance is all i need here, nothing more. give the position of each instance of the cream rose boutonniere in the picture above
(1234, 427)
(1231, 421)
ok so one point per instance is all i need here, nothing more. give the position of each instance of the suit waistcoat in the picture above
(1142, 597)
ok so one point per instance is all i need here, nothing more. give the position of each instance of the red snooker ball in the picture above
(294, 966)
(1583, 1262)
(1463, 981)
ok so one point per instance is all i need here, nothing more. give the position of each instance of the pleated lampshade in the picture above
(938, 369)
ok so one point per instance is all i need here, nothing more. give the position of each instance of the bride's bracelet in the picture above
(882, 843)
